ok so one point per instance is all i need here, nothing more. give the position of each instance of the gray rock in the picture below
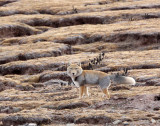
(153, 82)
(29, 124)
(32, 124)
(9, 109)
(153, 121)
(36, 85)
(125, 123)
(49, 107)
(117, 122)
(5, 99)
(16, 109)
(70, 124)
(25, 88)
(144, 79)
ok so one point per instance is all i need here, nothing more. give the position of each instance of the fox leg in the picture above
(81, 91)
(105, 91)
(86, 91)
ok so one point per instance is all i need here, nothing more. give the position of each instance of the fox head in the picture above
(74, 70)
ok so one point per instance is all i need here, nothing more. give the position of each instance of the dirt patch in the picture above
(136, 7)
(27, 69)
(9, 99)
(2, 87)
(32, 51)
(14, 30)
(105, 2)
(63, 119)
(9, 109)
(8, 13)
(147, 102)
(54, 75)
(73, 105)
(145, 79)
(83, 37)
(143, 38)
(157, 98)
(25, 87)
(144, 102)
(5, 2)
(142, 66)
(41, 64)
(155, 82)
(116, 88)
(19, 120)
(94, 120)
(7, 83)
(79, 20)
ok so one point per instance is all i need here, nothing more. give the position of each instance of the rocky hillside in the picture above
(38, 38)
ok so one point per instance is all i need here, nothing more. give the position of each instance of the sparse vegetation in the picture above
(39, 37)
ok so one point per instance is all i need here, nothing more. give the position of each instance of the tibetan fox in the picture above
(85, 78)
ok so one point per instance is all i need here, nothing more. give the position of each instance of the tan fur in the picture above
(81, 91)
(94, 73)
(105, 91)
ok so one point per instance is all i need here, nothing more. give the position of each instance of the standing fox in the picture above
(84, 78)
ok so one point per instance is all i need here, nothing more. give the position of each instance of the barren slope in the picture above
(39, 38)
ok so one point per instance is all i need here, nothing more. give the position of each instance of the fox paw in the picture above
(105, 96)
(88, 94)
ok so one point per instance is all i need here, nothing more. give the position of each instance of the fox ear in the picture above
(79, 64)
(68, 64)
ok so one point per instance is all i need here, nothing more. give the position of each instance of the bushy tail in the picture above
(118, 79)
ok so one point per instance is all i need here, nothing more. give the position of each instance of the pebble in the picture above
(70, 124)
(32, 124)
(117, 122)
(29, 124)
(153, 121)
(125, 123)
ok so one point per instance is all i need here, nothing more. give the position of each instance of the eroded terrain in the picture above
(39, 38)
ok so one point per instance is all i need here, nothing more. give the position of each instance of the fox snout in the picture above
(73, 73)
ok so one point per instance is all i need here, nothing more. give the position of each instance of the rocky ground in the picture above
(39, 38)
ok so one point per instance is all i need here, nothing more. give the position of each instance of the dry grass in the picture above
(55, 7)
(132, 58)
(37, 101)
(32, 51)
(112, 60)
(39, 65)
(95, 47)
(38, 40)
(29, 19)
(79, 34)
(16, 30)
